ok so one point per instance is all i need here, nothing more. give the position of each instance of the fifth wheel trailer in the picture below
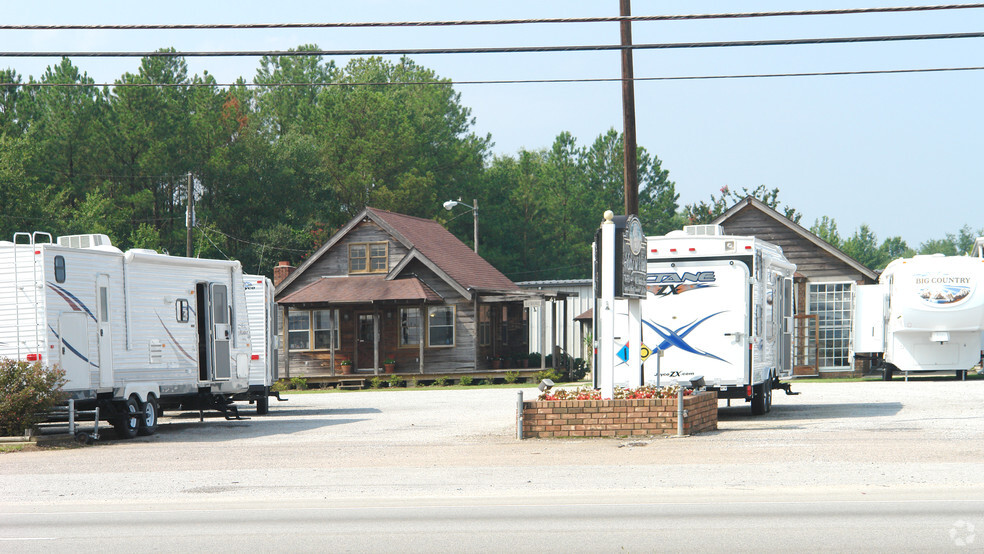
(926, 314)
(719, 307)
(134, 332)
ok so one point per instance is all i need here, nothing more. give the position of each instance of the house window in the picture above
(504, 325)
(312, 327)
(831, 302)
(368, 257)
(410, 326)
(484, 325)
(440, 326)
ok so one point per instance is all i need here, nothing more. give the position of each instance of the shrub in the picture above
(27, 390)
(298, 383)
(579, 369)
(442, 382)
(396, 381)
(280, 386)
(551, 374)
(479, 382)
(467, 380)
(534, 358)
(511, 376)
(376, 382)
(413, 383)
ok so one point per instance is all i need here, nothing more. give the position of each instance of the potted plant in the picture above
(345, 367)
(389, 365)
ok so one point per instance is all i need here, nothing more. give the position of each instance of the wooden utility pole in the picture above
(630, 172)
(190, 216)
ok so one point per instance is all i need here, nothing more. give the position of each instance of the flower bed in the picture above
(626, 416)
(640, 393)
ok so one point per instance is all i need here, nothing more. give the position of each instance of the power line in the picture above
(613, 19)
(501, 81)
(486, 50)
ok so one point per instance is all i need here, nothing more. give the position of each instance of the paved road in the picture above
(844, 466)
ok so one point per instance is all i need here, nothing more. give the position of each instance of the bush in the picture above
(413, 383)
(396, 381)
(534, 358)
(551, 374)
(511, 376)
(579, 369)
(442, 382)
(281, 385)
(376, 382)
(298, 383)
(27, 390)
(467, 380)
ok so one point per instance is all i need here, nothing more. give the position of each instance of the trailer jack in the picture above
(788, 388)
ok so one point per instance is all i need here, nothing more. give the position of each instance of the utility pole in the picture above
(630, 172)
(475, 216)
(190, 215)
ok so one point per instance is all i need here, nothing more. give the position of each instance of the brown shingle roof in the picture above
(370, 288)
(442, 248)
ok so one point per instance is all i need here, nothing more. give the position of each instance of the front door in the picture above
(73, 330)
(366, 342)
(104, 335)
(221, 330)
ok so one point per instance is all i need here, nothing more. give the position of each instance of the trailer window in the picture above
(59, 269)
(182, 310)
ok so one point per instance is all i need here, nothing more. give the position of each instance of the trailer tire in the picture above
(151, 416)
(263, 403)
(127, 424)
(761, 398)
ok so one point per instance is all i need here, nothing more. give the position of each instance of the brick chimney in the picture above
(281, 272)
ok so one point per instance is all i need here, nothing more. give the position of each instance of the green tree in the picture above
(863, 247)
(826, 229)
(893, 248)
(703, 212)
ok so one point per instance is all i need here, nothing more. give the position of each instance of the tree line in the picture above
(276, 169)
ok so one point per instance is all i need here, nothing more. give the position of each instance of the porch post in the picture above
(543, 333)
(422, 336)
(286, 338)
(376, 322)
(475, 319)
(553, 331)
(331, 339)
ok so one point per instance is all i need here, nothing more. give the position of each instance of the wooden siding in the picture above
(811, 260)
(335, 261)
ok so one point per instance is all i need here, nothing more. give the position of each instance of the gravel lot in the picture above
(834, 439)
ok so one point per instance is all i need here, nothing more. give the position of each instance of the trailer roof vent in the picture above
(704, 230)
(84, 241)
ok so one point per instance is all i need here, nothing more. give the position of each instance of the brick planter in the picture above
(617, 418)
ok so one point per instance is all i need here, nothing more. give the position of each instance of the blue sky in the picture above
(898, 152)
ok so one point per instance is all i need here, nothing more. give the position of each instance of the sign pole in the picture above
(635, 342)
(606, 344)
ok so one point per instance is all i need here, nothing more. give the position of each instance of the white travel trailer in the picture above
(134, 332)
(925, 314)
(262, 309)
(719, 307)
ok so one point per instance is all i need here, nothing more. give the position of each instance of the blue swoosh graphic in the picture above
(72, 348)
(673, 337)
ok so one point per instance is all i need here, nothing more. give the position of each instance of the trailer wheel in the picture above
(263, 403)
(759, 404)
(151, 416)
(127, 424)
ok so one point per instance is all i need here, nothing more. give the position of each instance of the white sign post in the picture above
(621, 273)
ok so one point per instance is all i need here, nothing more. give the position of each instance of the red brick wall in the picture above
(617, 418)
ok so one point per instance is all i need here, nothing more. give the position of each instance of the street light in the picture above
(474, 208)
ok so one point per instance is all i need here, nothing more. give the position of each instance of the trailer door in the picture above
(104, 335)
(221, 331)
(786, 358)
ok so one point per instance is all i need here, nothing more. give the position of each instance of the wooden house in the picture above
(825, 282)
(389, 286)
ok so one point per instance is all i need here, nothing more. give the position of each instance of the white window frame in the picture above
(454, 313)
(825, 342)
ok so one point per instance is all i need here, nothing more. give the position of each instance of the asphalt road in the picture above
(845, 466)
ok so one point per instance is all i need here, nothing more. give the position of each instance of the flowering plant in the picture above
(584, 393)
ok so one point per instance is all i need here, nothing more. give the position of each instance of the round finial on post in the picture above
(609, 216)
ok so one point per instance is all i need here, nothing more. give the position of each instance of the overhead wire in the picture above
(479, 22)
(503, 81)
(485, 50)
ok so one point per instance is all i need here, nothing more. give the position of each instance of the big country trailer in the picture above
(925, 314)
(263, 371)
(135, 332)
(719, 307)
